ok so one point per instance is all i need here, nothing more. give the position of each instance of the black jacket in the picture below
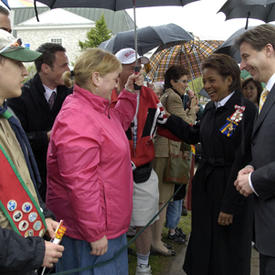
(20, 255)
(222, 250)
(36, 117)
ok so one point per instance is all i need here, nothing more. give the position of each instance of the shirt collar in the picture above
(270, 83)
(223, 101)
(48, 92)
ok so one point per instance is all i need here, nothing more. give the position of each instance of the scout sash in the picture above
(16, 201)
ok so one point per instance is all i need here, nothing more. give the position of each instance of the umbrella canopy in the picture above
(114, 5)
(258, 9)
(190, 54)
(228, 47)
(147, 38)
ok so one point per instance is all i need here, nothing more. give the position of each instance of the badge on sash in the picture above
(232, 121)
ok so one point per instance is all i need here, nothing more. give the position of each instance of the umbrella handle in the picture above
(137, 87)
(246, 24)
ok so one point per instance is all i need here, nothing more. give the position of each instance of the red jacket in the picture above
(149, 110)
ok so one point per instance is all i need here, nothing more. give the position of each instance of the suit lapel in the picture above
(267, 105)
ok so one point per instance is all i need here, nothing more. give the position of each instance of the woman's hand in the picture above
(99, 247)
(138, 79)
(225, 219)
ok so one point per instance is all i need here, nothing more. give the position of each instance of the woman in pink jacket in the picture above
(89, 166)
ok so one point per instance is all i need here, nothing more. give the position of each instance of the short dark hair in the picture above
(257, 84)
(258, 37)
(225, 66)
(175, 72)
(4, 11)
(48, 51)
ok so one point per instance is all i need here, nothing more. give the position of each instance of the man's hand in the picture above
(99, 247)
(225, 219)
(51, 227)
(246, 170)
(52, 253)
(242, 184)
(134, 79)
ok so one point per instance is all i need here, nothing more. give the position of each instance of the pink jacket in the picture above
(90, 181)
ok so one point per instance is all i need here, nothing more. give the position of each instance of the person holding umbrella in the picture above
(140, 136)
(220, 241)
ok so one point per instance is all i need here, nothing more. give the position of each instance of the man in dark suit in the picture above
(257, 48)
(41, 99)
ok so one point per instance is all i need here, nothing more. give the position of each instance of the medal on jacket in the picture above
(232, 121)
(17, 202)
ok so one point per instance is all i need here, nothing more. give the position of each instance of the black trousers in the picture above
(267, 265)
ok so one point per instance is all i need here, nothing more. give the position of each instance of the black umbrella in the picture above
(258, 9)
(114, 5)
(147, 38)
(228, 47)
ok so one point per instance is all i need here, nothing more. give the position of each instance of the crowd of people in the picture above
(100, 150)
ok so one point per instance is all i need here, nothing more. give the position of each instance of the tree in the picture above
(96, 35)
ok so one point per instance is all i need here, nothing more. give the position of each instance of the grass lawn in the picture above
(161, 263)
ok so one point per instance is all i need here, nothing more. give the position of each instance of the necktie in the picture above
(52, 99)
(263, 99)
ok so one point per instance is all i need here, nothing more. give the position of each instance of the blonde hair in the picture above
(91, 60)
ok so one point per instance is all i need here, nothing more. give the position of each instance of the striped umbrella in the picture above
(189, 54)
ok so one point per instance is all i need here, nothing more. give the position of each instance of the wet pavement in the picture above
(176, 264)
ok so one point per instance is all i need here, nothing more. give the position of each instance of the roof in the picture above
(57, 17)
(116, 21)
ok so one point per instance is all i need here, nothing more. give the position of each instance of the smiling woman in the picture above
(221, 218)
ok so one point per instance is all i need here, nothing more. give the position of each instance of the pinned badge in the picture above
(12, 204)
(27, 207)
(23, 225)
(37, 225)
(29, 233)
(17, 215)
(32, 216)
(233, 121)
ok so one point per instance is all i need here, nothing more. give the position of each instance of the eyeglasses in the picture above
(12, 46)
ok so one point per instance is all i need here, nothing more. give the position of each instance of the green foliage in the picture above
(96, 35)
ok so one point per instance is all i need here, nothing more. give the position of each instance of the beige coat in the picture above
(172, 102)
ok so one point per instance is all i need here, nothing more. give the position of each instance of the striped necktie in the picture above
(52, 99)
(263, 98)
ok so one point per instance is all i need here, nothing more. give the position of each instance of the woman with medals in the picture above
(220, 241)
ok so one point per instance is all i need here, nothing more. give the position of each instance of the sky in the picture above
(198, 17)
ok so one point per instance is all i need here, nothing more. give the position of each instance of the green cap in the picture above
(12, 48)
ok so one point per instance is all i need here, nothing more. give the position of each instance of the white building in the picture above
(65, 26)
(56, 26)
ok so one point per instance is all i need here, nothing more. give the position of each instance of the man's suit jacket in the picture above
(36, 117)
(263, 178)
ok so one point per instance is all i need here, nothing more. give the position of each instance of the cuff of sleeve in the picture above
(251, 185)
